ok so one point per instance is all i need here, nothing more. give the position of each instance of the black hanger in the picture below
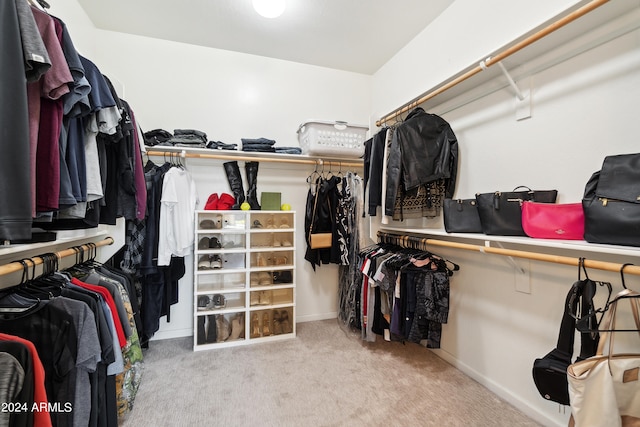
(622, 274)
(634, 295)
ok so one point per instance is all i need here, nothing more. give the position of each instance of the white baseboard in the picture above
(314, 317)
(502, 392)
(172, 333)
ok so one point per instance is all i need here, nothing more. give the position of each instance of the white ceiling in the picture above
(351, 35)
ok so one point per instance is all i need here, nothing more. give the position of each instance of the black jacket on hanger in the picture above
(423, 149)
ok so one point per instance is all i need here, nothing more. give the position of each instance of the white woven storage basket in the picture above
(332, 138)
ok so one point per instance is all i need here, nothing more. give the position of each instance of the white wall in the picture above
(583, 109)
(230, 96)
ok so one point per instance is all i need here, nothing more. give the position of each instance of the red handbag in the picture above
(553, 220)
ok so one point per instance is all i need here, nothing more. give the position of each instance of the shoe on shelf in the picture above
(266, 330)
(201, 330)
(255, 326)
(253, 280)
(284, 321)
(286, 242)
(223, 328)
(261, 261)
(256, 224)
(277, 243)
(237, 327)
(212, 329)
(216, 262)
(203, 243)
(265, 279)
(270, 223)
(218, 301)
(203, 302)
(214, 243)
(284, 223)
(204, 263)
(218, 221)
(207, 224)
(254, 299)
(265, 298)
(277, 324)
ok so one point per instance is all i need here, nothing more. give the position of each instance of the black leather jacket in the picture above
(423, 149)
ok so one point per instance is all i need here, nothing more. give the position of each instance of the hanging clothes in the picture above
(398, 293)
(85, 335)
(18, 153)
(424, 151)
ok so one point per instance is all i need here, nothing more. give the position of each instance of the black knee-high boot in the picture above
(235, 182)
(212, 333)
(251, 169)
(201, 330)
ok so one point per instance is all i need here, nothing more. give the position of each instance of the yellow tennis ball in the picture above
(285, 207)
(245, 206)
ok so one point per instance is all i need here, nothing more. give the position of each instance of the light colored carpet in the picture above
(322, 378)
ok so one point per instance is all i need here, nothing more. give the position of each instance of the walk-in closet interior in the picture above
(213, 217)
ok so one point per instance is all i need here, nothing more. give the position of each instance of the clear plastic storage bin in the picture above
(332, 138)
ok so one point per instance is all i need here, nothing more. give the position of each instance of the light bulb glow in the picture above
(269, 8)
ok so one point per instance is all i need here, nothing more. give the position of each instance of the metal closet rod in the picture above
(483, 65)
(421, 243)
(37, 260)
(318, 162)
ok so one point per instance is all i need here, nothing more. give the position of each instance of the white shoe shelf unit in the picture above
(244, 277)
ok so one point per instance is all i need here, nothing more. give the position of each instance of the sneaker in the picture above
(214, 243)
(207, 224)
(256, 224)
(216, 261)
(219, 301)
(203, 302)
(204, 263)
(204, 243)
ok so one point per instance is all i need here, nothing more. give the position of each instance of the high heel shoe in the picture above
(266, 330)
(255, 326)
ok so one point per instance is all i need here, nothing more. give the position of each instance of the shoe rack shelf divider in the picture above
(244, 278)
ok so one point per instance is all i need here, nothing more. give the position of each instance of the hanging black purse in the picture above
(500, 212)
(550, 372)
(611, 202)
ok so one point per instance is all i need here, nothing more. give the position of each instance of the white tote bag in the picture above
(604, 390)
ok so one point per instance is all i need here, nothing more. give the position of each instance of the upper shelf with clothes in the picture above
(204, 153)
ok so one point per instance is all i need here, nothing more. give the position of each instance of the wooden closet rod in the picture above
(318, 162)
(421, 243)
(37, 260)
(494, 59)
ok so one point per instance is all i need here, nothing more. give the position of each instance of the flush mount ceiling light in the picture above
(269, 8)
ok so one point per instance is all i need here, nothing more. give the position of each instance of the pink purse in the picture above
(553, 220)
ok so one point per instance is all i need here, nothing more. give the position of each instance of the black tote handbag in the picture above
(461, 216)
(500, 212)
(611, 202)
